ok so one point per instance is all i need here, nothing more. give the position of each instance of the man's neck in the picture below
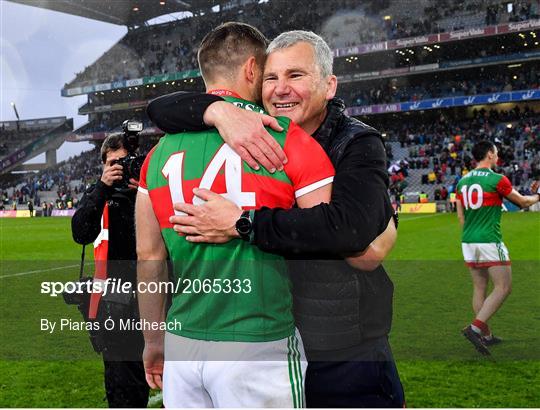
(242, 91)
(483, 164)
(314, 125)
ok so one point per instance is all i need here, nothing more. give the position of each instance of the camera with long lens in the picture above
(132, 162)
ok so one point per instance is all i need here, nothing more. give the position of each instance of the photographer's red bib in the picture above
(101, 250)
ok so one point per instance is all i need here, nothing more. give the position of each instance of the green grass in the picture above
(431, 304)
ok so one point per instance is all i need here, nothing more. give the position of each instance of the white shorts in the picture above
(484, 255)
(199, 373)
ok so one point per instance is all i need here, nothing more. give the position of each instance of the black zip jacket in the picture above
(86, 225)
(336, 306)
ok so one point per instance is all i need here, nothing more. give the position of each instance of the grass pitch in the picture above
(438, 367)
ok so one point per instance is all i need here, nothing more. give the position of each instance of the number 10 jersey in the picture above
(481, 193)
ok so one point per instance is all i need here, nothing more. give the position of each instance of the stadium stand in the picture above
(15, 136)
(389, 55)
(424, 87)
(172, 47)
(430, 156)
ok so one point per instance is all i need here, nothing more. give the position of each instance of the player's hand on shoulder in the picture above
(244, 131)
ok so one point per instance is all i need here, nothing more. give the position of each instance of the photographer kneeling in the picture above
(106, 217)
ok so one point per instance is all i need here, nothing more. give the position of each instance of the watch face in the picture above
(243, 226)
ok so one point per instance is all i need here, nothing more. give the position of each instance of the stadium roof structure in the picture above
(122, 12)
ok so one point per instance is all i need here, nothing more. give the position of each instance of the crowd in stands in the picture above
(388, 91)
(83, 167)
(442, 149)
(13, 139)
(521, 11)
(172, 47)
(69, 179)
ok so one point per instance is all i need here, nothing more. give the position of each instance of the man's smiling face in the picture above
(293, 86)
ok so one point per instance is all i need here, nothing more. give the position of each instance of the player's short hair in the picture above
(111, 143)
(323, 54)
(227, 47)
(481, 149)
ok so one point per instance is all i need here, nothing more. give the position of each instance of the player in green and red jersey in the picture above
(480, 195)
(231, 293)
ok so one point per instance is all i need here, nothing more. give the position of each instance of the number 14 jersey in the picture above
(232, 291)
(481, 193)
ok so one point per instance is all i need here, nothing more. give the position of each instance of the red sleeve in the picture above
(143, 186)
(308, 167)
(459, 195)
(504, 187)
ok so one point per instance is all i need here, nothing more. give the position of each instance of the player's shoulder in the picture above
(498, 175)
(496, 178)
(150, 154)
(284, 122)
(294, 131)
(288, 129)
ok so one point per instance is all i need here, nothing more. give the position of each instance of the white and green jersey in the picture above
(481, 193)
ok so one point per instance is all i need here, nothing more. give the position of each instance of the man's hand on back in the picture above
(212, 222)
(244, 132)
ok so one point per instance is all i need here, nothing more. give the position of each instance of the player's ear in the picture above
(250, 69)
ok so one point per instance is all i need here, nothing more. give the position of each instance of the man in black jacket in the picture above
(105, 217)
(343, 313)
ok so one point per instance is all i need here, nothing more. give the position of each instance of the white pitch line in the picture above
(37, 271)
(419, 217)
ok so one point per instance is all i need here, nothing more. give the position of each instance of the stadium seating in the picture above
(389, 91)
(13, 139)
(413, 147)
(444, 149)
(172, 47)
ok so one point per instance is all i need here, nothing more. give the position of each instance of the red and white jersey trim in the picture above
(142, 190)
(312, 187)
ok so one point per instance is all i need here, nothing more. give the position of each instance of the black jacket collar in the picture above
(326, 131)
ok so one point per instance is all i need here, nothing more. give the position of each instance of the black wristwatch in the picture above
(244, 226)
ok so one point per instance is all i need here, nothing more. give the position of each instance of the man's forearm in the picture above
(359, 211)
(152, 304)
(322, 229)
(180, 111)
(529, 200)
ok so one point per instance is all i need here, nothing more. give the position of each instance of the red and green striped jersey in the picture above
(235, 292)
(481, 193)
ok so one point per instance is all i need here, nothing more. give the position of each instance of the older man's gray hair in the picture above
(323, 55)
